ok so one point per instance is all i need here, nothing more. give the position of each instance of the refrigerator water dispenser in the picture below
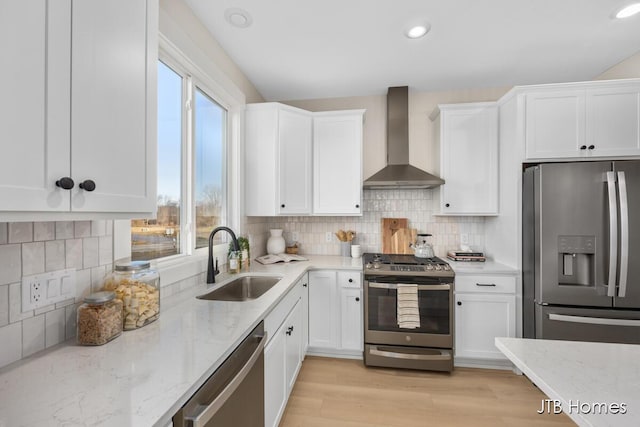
(576, 257)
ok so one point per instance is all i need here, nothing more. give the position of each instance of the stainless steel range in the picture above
(408, 315)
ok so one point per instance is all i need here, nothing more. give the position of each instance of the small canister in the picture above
(99, 319)
(138, 287)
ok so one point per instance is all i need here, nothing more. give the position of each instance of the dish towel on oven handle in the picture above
(408, 313)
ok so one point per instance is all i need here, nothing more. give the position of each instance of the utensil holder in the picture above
(345, 249)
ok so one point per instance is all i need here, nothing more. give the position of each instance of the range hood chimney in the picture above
(399, 174)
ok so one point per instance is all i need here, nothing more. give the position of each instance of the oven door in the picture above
(434, 304)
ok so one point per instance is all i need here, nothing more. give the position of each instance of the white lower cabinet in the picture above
(335, 313)
(282, 361)
(275, 381)
(303, 283)
(351, 325)
(485, 308)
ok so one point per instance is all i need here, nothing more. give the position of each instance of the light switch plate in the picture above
(45, 289)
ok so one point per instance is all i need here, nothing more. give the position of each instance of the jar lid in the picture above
(133, 266)
(99, 297)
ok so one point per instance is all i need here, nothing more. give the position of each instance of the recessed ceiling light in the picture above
(417, 31)
(628, 11)
(238, 17)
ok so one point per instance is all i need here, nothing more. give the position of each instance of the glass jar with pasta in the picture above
(138, 287)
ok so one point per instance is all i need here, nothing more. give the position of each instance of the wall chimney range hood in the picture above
(399, 174)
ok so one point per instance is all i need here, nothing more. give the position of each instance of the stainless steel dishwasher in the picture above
(234, 394)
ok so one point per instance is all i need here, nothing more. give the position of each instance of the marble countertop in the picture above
(487, 267)
(142, 377)
(590, 380)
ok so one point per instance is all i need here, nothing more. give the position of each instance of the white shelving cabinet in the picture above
(485, 308)
(337, 162)
(469, 158)
(278, 160)
(582, 120)
(70, 109)
(335, 313)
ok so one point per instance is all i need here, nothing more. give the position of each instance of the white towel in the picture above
(408, 313)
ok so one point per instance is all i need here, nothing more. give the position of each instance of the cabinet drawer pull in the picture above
(65, 183)
(350, 280)
(486, 284)
(583, 147)
(282, 205)
(87, 185)
(459, 302)
(357, 206)
(289, 330)
(357, 299)
(591, 147)
(304, 285)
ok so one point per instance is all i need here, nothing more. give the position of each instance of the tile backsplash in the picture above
(28, 248)
(418, 206)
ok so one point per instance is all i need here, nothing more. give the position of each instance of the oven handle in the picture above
(441, 287)
(444, 355)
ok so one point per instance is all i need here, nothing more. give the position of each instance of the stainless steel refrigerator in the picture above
(581, 251)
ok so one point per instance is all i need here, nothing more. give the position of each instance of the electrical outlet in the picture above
(328, 237)
(35, 295)
(48, 288)
(464, 239)
(295, 236)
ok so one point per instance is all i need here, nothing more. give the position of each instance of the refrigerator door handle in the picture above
(594, 320)
(624, 235)
(613, 233)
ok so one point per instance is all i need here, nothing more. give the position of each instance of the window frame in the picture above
(216, 85)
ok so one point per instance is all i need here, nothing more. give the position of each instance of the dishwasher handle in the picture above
(202, 414)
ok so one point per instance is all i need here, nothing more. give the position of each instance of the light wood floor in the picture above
(338, 392)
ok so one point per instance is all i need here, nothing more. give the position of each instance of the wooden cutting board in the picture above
(396, 236)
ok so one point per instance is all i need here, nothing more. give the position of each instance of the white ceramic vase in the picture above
(275, 243)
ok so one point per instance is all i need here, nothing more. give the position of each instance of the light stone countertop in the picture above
(142, 377)
(487, 267)
(582, 374)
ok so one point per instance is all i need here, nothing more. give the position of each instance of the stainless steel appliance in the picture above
(581, 251)
(234, 394)
(427, 347)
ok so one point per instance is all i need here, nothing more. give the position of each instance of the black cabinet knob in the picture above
(65, 183)
(583, 147)
(350, 280)
(304, 285)
(459, 302)
(87, 185)
(357, 206)
(447, 205)
(591, 147)
(289, 330)
(282, 205)
(357, 299)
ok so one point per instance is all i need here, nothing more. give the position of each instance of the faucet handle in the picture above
(215, 270)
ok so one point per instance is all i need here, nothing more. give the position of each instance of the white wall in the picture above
(182, 27)
(627, 69)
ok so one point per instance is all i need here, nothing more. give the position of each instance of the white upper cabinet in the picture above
(337, 162)
(35, 106)
(79, 102)
(555, 123)
(613, 121)
(113, 104)
(469, 159)
(582, 120)
(278, 160)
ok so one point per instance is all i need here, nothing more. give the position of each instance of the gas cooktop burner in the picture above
(375, 263)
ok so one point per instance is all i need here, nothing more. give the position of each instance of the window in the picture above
(192, 135)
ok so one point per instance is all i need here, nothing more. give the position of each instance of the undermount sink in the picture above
(243, 288)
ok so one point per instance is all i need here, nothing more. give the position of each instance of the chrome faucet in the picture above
(211, 272)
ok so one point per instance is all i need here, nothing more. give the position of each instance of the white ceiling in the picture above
(305, 49)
